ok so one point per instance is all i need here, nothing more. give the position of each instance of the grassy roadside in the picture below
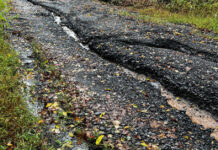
(202, 14)
(18, 128)
(163, 16)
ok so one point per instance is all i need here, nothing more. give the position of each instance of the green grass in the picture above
(201, 14)
(18, 127)
(162, 16)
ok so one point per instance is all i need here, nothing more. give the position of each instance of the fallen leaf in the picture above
(55, 104)
(162, 106)
(68, 144)
(9, 144)
(65, 114)
(134, 105)
(48, 105)
(116, 124)
(155, 124)
(77, 119)
(98, 141)
(144, 144)
(144, 111)
(102, 114)
(55, 130)
(71, 134)
(40, 121)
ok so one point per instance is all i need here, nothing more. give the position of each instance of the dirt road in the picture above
(128, 74)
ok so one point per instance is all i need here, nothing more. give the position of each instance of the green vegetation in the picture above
(202, 14)
(18, 128)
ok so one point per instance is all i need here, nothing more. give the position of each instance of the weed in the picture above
(18, 127)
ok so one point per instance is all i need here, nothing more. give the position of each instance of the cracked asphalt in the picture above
(183, 63)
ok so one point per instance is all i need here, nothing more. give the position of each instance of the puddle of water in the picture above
(197, 115)
(69, 32)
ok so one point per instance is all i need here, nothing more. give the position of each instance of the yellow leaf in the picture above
(9, 144)
(48, 105)
(72, 126)
(116, 74)
(142, 56)
(40, 121)
(162, 106)
(186, 137)
(126, 127)
(177, 98)
(134, 105)
(147, 79)
(71, 134)
(178, 33)
(55, 104)
(168, 110)
(102, 114)
(65, 114)
(144, 144)
(122, 139)
(57, 126)
(144, 111)
(107, 89)
(68, 144)
(99, 139)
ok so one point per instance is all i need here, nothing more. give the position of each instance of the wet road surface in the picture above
(128, 71)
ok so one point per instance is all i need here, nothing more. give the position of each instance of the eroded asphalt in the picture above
(126, 108)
